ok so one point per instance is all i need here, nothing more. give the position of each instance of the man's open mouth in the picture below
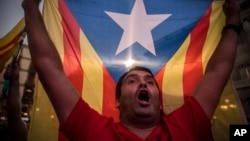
(143, 97)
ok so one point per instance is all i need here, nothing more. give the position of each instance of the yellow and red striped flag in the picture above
(10, 42)
(175, 39)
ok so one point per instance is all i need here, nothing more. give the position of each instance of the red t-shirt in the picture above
(187, 123)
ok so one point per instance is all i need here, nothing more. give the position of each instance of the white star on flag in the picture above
(137, 27)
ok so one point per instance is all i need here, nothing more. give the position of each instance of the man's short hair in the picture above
(119, 83)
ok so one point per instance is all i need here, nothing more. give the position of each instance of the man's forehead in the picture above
(139, 73)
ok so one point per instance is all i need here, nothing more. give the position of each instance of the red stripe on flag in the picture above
(13, 41)
(6, 54)
(159, 79)
(109, 99)
(72, 51)
(193, 70)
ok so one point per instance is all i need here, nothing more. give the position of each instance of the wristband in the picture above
(234, 27)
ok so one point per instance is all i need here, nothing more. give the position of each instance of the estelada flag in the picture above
(174, 38)
(10, 42)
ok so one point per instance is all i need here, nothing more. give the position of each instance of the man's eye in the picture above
(151, 82)
(131, 81)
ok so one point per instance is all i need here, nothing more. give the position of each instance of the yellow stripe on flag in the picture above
(172, 89)
(217, 21)
(44, 123)
(52, 19)
(93, 75)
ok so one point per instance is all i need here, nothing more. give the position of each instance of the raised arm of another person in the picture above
(221, 63)
(46, 60)
(18, 129)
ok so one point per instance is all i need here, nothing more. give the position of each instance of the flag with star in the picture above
(97, 40)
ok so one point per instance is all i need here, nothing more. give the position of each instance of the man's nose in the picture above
(143, 84)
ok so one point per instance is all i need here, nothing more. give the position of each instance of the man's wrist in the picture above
(233, 27)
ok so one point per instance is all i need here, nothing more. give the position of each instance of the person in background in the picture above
(137, 92)
(17, 127)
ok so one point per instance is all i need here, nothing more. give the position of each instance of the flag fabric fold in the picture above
(175, 39)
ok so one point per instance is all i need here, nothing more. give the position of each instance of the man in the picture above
(17, 127)
(137, 91)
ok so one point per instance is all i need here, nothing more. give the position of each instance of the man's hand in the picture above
(11, 73)
(232, 12)
(30, 3)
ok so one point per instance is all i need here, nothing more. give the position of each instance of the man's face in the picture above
(139, 98)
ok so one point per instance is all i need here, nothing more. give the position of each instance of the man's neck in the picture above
(143, 133)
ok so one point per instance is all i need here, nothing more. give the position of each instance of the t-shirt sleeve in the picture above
(81, 119)
(190, 119)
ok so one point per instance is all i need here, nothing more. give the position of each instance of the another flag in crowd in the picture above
(10, 43)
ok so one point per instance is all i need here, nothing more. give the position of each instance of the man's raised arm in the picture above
(221, 63)
(46, 60)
